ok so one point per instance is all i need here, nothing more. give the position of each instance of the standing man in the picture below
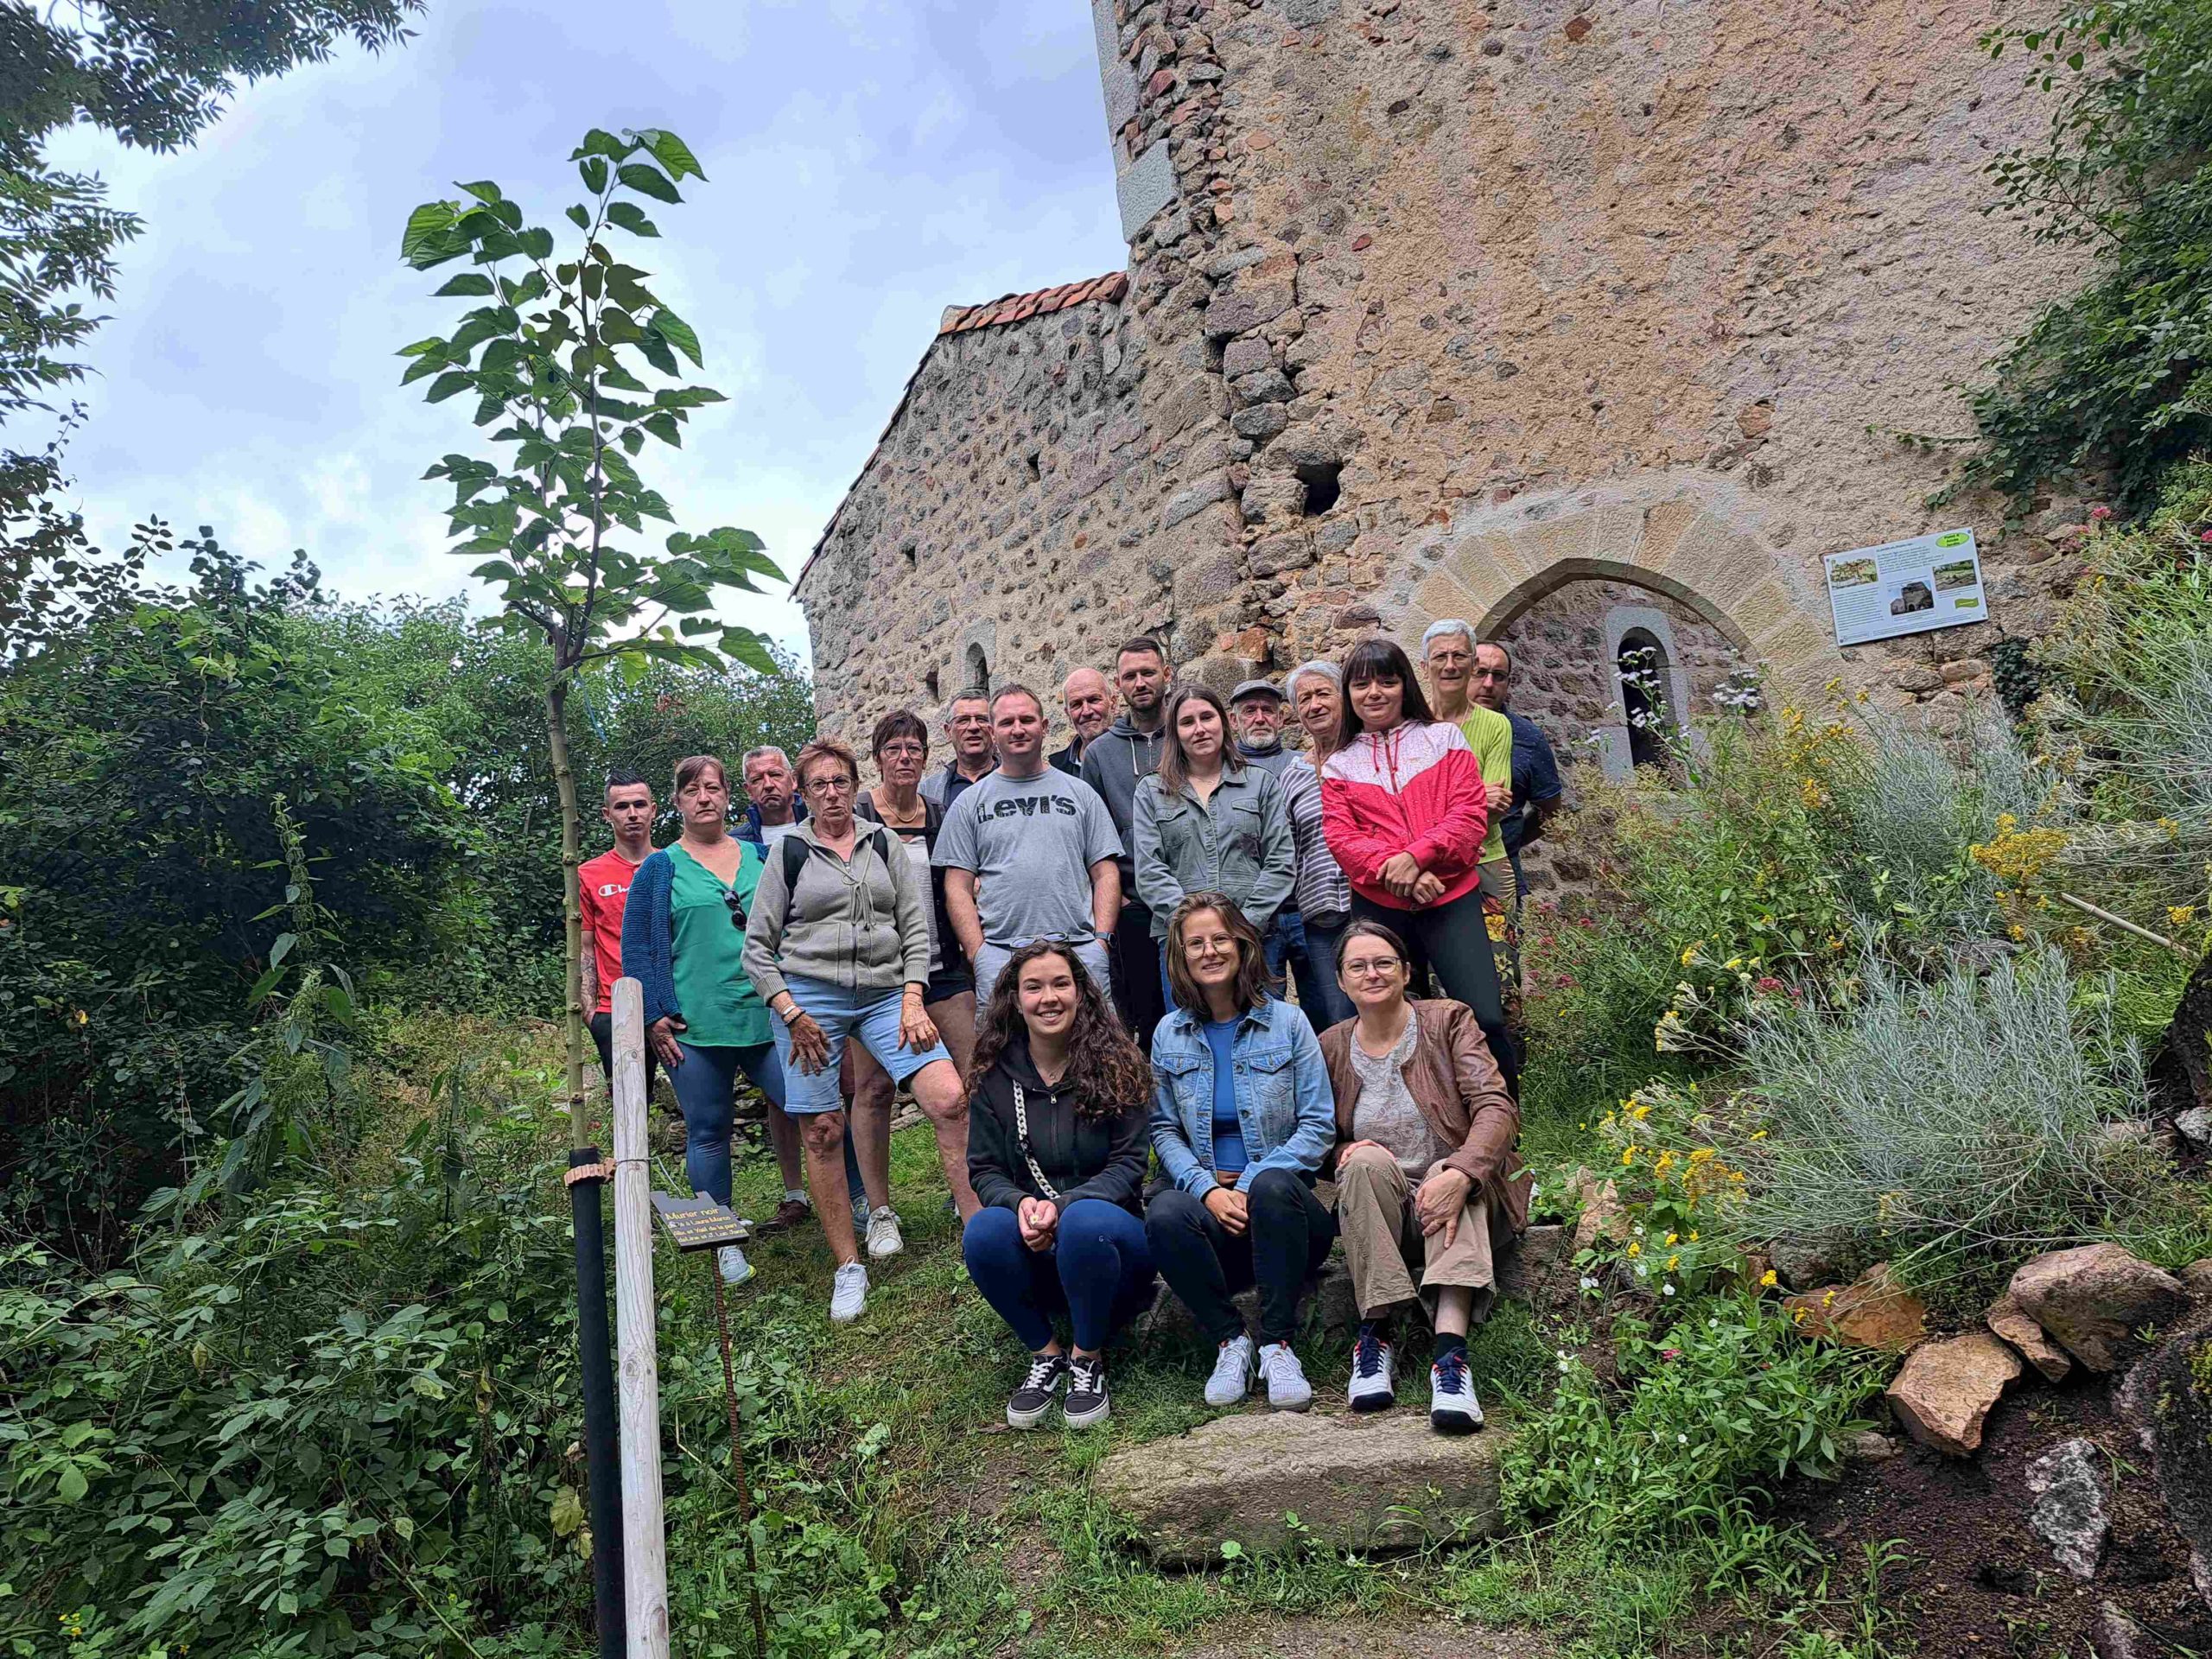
(773, 808)
(1113, 763)
(1088, 702)
(602, 889)
(1536, 769)
(1448, 651)
(1028, 854)
(967, 723)
(1257, 708)
(773, 811)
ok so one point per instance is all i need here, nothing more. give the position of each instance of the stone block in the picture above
(1143, 187)
(1945, 1392)
(1260, 422)
(1243, 357)
(1381, 1483)
(2093, 1299)
(1189, 503)
(1663, 528)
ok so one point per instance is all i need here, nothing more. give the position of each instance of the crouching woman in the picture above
(1056, 1152)
(1428, 1184)
(1241, 1120)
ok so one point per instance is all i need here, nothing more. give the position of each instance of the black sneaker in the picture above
(1034, 1397)
(1087, 1403)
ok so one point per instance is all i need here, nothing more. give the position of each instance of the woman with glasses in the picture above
(1428, 1185)
(683, 941)
(1404, 809)
(901, 747)
(1242, 1117)
(838, 947)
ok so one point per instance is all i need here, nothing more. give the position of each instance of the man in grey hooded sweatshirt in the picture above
(1113, 763)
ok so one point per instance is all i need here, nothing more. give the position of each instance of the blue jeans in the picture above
(706, 1091)
(1099, 1272)
(1310, 952)
(869, 1017)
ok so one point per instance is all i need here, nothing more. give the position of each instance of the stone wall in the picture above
(1437, 305)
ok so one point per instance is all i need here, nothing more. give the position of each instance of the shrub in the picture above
(1724, 1399)
(1943, 1120)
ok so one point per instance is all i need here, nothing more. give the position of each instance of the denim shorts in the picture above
(868, 1014)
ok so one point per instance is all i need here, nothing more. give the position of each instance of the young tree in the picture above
(553, 358)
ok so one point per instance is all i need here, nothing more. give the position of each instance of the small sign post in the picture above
(700, 1223)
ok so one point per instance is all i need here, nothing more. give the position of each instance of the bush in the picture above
(1724, 1399)
(1945, 1120)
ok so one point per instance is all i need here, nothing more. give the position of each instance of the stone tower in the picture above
(1595, 326)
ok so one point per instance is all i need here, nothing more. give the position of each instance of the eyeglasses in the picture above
(736, 907)
(1374, 967)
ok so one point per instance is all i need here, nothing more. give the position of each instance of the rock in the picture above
(2007, 1320)
(1872, 1312)
(2115, 1636)
(2070, 1512)
(1802, 1263)
(1326, 1310)
(2167, 1400)
(2196, 1126)
(2093, 1298)
(1869, 1445)
(2197, 1278)
(1602, 1215)
(1387, 1482)
(1944, 1391)
(1539, 1267)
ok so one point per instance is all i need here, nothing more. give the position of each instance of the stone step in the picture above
(1380, 1482)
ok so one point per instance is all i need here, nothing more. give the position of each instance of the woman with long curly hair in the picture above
(1056, 1152)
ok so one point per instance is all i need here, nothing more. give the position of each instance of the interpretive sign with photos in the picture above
(1909, 587)
(697, 1224)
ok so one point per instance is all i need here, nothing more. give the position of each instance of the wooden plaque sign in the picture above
(697, 1224)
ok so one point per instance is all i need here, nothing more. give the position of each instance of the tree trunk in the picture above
(2183, 1060)
(564, 785)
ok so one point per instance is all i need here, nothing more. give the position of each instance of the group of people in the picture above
(1076, 963)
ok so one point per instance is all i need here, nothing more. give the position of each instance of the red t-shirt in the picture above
(603, 886)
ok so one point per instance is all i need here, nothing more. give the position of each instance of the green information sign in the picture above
(698, 1223)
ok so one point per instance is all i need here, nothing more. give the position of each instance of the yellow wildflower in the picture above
(1767, 1281)
(1628, 1156)
(2181, 915)
(1634, 1248)
(1673, 1262)
(1670, 1238)
(1689, 952)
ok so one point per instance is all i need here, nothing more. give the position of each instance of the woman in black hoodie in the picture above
(1056, 1151)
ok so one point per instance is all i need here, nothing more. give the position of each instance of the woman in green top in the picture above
(683, 937)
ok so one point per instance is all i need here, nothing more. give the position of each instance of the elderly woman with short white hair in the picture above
(1318, 886)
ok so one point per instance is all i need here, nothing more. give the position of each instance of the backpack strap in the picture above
(794, 854)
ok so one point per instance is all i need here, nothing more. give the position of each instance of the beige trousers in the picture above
(1383, 1241)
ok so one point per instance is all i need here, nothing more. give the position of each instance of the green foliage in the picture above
(2111, 376)
(1722, 1400)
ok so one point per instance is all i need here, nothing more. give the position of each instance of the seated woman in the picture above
(1427, 1180)
(838, 947)
(1242, 1117)
(1056, 1149)
(682, 941)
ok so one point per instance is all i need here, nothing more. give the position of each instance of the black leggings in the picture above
(1286, 1237)
(1453, 941)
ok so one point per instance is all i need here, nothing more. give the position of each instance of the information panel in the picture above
(1909, 587)
(697, 1224)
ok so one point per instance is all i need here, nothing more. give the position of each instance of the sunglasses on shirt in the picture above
(736, 908)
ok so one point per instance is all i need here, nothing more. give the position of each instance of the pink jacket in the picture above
(1414, 789)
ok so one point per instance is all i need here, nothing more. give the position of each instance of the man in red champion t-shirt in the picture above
(603, 884)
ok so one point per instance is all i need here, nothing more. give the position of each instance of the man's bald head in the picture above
(1088, 699)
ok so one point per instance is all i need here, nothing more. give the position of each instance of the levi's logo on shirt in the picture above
(1028, 806)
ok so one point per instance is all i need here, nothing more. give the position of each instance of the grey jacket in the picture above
(1118, 760)
(1239, 843)
(861, 925)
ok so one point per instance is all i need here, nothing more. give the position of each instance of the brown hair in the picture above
(1174, 768)
(899, 722)
(1364, 929)
(1252, 983)
(1142, 645)
(1014, 688)
(1110, 1076)
(827, 748)
(692, 767)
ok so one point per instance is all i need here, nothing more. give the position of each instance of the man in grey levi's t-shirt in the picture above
(1029, 853)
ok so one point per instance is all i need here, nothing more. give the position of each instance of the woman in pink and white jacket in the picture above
(1403, 810)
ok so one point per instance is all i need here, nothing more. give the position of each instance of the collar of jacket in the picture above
(1261, 1013)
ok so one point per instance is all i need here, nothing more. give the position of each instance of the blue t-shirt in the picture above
(1228, 1127)
(1535, 776)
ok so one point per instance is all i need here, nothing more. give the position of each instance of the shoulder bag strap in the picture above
(1021, 1129)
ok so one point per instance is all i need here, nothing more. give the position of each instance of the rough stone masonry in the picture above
(1596, 324)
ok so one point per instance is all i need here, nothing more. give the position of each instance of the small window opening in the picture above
(913, 558)
(1642, 663)
(1320, 479)
(1035, 471)
(979, 669)
(929, 682)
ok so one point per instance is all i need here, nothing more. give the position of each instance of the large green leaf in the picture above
(673, 154)
(632, 218)
(677, 333)
(428, 239)
(447, 384)
(648, 182)
(468, 282)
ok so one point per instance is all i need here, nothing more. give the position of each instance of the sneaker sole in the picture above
(835, 1318)
(1374, 1401)
(1453, 1422)
(875, 1255)
(1084, 1420)
(1301, 1405)
(1028, 1419)
(745, 1278)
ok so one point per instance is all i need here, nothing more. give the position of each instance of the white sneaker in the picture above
(1287, 1388)
(735, 1268)
(848, 1296)
(1371, 1387)
(883, 1236)
(1452, 1408)
(1232, 1372)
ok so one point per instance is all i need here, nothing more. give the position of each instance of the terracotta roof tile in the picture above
(1020, 307)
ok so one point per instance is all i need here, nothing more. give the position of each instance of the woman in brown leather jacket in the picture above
(1427, 1180)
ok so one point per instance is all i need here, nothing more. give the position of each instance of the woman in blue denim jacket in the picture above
(1243, 1115)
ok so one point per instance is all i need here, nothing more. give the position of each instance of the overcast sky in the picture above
(868, 163)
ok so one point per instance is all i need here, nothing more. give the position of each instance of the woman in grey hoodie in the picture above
(838, 947)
